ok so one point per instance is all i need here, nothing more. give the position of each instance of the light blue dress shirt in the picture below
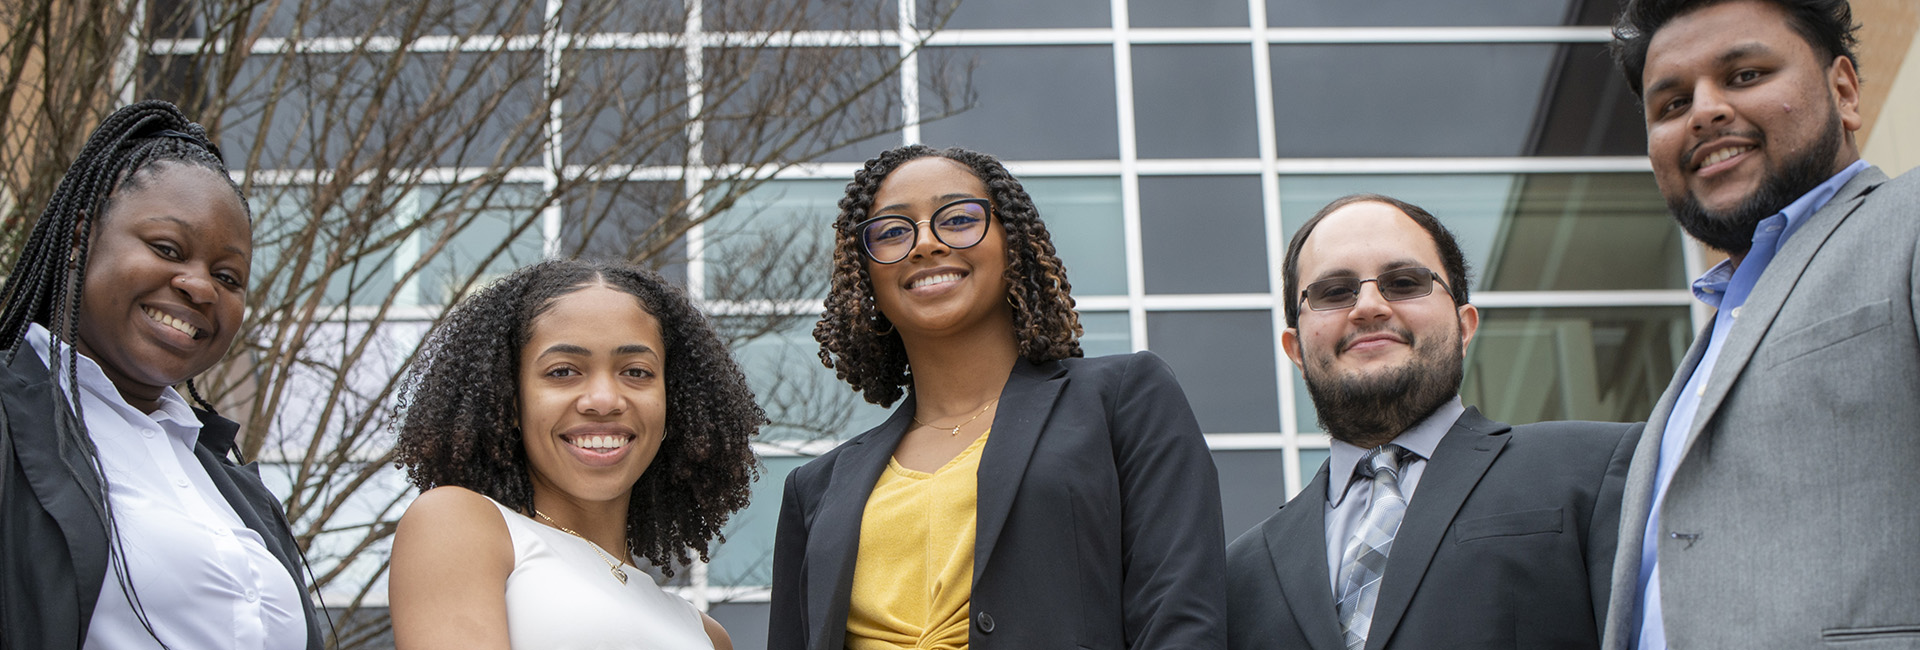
(1725, 288)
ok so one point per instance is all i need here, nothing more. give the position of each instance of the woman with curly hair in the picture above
(126, 518)
(1020, 496)
(561, 423)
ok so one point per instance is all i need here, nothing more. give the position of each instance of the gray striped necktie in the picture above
(1364, 560)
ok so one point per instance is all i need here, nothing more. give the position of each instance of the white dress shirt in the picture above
(203, 578)
(1347, 499)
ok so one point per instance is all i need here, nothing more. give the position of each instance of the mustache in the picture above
(1685, 159)
(1345, 342)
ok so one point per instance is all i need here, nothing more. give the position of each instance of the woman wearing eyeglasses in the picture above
(1019, 496)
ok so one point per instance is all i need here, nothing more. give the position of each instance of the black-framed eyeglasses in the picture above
(889, 238)
(1398, 284)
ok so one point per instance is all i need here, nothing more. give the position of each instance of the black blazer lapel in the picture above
(1025, 404)
(28, 395)
(1297, 542)
(833, 541)
(1456, 467)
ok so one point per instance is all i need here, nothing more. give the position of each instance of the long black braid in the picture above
(49, 276)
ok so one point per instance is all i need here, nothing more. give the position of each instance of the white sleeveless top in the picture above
(561, 596)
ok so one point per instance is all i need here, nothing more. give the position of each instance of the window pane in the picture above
(1413, 100)
(1034, 103)
(1529, 232)
(1417, 13)
(802, 397)
(624, 107)
(746, 558)
(745, 622)
(1203, 234)
(1083, 219)
(349, 18)
(786, 15)
(1310, 462)
(1188, 13)
(801, 103)
(1014, 14)
(1530, 365)
(1107, 332)
(1181, 114)
(1252, 485)
(623, 16)
(631, 222)
(775, 243)
(1224, 360)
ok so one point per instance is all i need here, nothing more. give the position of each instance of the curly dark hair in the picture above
(858, 342)
(457, 409)
(1827, 26)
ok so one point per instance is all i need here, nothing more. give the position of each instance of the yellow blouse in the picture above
(913, 579)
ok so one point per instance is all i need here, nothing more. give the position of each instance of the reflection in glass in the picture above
(1426, 13)
(1253, 483)
(1107, 332)
(1049, 102)
(802, 397)
(1530, 365)
(1529, 232)
(745, 559)
(1083, 217)
(1224, 360)
(774, 243)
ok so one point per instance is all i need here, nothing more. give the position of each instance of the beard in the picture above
(1367, 410)
(1732, 231)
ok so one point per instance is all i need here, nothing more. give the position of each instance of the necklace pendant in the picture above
(621, 575)
(955, 432)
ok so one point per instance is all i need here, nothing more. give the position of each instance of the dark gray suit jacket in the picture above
(1507, 543)
(1791, 521)
(1099, 522)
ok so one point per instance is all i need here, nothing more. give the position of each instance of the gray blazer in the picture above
(1507, 544)
(1790, 521)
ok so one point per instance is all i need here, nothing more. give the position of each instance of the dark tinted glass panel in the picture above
(349, 18)
(774, 243)
(1203, 234)
(1253, 484)
(1013, 14)
(1417, 13)
(788, 15)
(623, 16)
(802, 397)
(1355, 101)
(624, 107)
(633, 222)
(798, 103)
(1107, 332)
(1187, 13)
(745, 558)
(1310, 462)
(1529, 232)
(1046, 103)
(1529, 365)
(1589, 111)
(1194, 101)
(1083, 220)
(745, 621)
(1224, 360)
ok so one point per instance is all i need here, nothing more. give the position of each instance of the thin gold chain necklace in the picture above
(613, 566)
(956, 428)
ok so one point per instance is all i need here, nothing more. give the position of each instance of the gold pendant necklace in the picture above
(613, 566)
(956, 428)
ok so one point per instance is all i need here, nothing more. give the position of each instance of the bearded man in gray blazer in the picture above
(1770, 502)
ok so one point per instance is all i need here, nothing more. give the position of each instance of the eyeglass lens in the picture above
(890, 238)
(1398, 284)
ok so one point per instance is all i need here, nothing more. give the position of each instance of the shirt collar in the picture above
(1712, 286)
(1421, 439)
(173, 408)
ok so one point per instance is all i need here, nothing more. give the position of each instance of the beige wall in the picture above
(1890, 58)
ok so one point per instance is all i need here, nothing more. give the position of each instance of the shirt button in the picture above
(180, 482)
(222, 532)
(146, 433)
(1708, 290)
(1736, 312)
(253, 596)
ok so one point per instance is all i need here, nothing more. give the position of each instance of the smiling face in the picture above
(1743, 117)
(593, 396)
(1379, 366)
(166, 280)
(937, 290)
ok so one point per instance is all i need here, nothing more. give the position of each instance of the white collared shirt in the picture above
(1347, 499)
(203, 578)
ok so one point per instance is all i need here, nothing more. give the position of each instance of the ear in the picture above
(1469, 324)
(1844, 82)
(1290, 341)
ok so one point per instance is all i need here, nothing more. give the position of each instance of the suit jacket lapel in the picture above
(1297, 543)
(1756, 316)
(834, 541)
(1456, 467)
(1025, 404)
(28, 395)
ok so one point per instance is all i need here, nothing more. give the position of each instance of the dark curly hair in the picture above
(457, 409)
(858, 342)
(1827, 26)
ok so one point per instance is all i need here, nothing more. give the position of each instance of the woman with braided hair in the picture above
(1020, 496)
(125, 520)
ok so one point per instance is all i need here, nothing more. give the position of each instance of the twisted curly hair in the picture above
(458, 408)
(859, 343)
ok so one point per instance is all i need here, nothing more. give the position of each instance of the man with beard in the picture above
(1769, 503)
(1430, 526)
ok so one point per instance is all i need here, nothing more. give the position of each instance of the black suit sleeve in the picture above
(786, 623)
(1172, 539)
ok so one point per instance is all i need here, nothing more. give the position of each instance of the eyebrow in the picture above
(191, 228)
(1733, 54)
(943, 199)
(1391, 265)
(624, 350)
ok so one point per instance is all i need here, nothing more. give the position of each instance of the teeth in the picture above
(169, 321)
(935, 279)
(1723, 154)
(600, 441)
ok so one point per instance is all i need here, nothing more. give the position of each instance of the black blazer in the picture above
(1099, 521)
(53, 550)
(1508, 543)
